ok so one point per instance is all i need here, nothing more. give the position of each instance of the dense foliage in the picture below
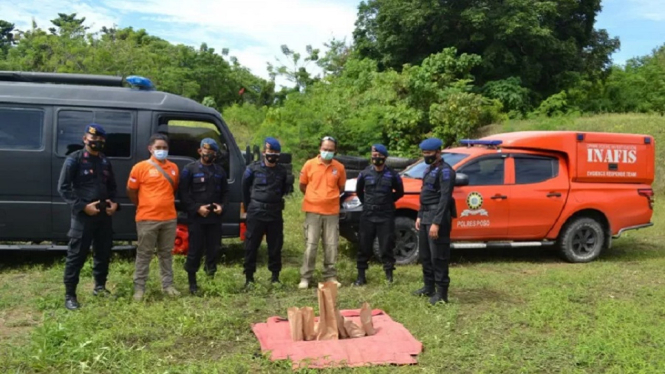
(416, 68)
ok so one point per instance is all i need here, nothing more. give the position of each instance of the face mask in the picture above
(96, 145)
(430, 159)
(272, 158)
(160, 154)
(378, 161)
(208, 158)
(327, 155)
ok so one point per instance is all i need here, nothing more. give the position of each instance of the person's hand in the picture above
(218, 209)
(91, 209)
(111, 207)
(203, 211)
(418, 224)
(434, 231)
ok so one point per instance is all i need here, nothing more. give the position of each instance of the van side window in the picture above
(485, 172)
(21, 129)
(117, 124)
(185, 139)
(535, 169)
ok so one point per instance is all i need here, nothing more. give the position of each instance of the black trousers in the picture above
(370, 229)
(274, 232)
(98, 231)
(204, 238)
(435, 256)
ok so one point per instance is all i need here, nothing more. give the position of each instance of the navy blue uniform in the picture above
(85, 178)
(437, 206)
(378, 191)
(263, 196)
(203, 185)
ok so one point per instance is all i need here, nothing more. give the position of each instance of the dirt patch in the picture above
(482, 296)
(17, 322)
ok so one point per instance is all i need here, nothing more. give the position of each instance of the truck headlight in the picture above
(351, 203)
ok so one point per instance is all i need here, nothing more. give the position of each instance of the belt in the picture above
(429, 207)
(261, 205)
(372, 207)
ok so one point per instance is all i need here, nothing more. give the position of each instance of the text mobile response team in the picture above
(87, 184)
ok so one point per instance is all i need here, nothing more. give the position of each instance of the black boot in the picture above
(361, 280)
(440, 295)
(389, 276)
(71, 303)
(275, 277)
(428, 290)
(249, 280)
(193, 287)
(100, 290)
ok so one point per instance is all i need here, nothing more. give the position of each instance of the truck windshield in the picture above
(417, 170)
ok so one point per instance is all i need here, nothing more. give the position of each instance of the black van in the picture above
(42, 120)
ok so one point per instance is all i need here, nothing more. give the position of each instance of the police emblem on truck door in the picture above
(475, 202)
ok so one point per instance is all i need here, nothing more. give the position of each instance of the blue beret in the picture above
(95, 129)
(272, 144)
(209, 143)
(431, 144)
(380, 148)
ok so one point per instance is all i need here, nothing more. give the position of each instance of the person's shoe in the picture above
(304, 284)
(361, 280)
(171, 291)
(389, 276)
(138, 294)
(193, 287)
(440, 295)
(275, 278)
(71, 303)
(425, 291)
(101, 291)
(249, 281)
(334, 280)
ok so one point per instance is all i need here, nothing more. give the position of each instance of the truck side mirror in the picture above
(461, 180)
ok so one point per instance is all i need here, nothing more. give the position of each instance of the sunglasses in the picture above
(330, 138)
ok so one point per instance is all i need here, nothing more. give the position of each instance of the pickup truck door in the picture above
(539, 192)
(482, 205)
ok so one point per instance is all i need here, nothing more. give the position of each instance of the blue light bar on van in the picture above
(139, 82)
(470, 142)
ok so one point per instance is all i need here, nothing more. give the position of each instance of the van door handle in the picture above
(554, 194)
(497, 196)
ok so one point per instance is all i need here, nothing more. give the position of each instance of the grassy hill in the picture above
(511, 311)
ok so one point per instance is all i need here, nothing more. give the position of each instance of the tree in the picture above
(547, 44)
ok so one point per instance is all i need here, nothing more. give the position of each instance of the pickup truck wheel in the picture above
(406, 242)
(582, 240)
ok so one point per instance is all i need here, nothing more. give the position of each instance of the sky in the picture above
(254, 30)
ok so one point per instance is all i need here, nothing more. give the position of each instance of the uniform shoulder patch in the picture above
(445, 174)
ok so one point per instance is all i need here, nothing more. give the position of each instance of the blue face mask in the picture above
(327, 155)
(160, 154)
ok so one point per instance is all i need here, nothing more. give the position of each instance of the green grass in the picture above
(511, 311)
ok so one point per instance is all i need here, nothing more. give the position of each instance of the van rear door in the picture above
(25, 161)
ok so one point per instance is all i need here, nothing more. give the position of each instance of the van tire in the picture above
(406, 242)
(582, 240)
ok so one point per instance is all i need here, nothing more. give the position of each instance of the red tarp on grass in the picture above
(392, 344)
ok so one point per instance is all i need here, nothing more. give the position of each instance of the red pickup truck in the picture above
(573, 190)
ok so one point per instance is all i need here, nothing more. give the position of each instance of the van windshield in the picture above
(417, 170)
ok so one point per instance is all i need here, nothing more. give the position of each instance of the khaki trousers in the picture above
(151, 235)
(320, 227)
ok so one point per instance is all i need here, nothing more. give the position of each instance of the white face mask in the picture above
(160, 154)
(326, 155)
